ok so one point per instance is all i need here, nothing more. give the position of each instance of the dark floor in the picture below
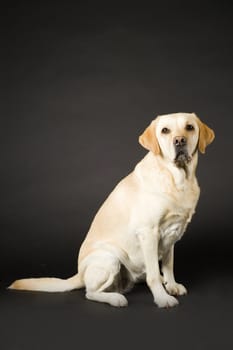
(203, 319)
(58, 321)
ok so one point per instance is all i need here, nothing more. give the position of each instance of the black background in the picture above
(79, 83)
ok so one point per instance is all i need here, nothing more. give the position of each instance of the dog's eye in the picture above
(165, 131)
(189, 127)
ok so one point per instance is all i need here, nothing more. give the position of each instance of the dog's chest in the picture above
(171, 229)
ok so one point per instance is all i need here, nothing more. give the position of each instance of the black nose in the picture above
(180, 141)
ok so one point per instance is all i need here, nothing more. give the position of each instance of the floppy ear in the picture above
(149, 140)
(206, 136)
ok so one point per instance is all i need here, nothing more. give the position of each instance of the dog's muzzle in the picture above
(182, 157)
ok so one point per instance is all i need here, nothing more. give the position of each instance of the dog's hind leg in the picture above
(99, 278)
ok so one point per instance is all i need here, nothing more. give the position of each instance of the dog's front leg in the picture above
(171, 286)
(149, 240)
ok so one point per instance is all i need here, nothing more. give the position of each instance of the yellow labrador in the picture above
(141, 220)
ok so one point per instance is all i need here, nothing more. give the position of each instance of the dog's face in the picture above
(176, 137)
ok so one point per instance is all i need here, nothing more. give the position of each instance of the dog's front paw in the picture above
(162, 299)
(175, 288)
(166, 301)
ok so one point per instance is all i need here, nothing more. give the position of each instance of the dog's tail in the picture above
(49, 284)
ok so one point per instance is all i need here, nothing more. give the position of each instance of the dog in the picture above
(133, 234)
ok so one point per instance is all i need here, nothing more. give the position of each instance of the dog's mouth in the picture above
(182, 158)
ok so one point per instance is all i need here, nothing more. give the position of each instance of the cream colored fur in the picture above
(141, 220)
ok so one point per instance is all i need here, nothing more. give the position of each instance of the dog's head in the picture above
(177, 137)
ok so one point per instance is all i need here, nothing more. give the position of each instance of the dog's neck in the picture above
(187, 172)
(184, 174)
(151, 164)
